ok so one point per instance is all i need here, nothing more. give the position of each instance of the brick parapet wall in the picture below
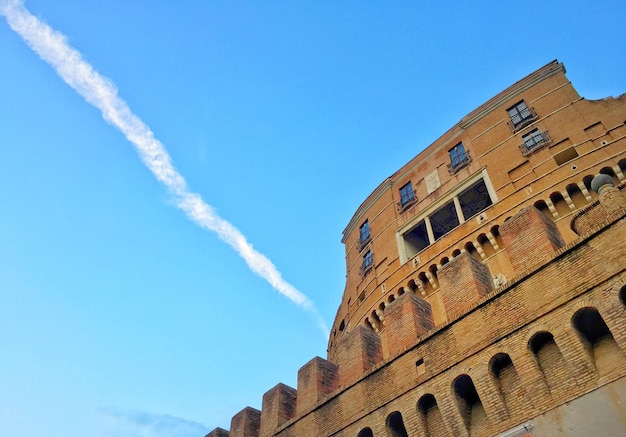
(463, 281)
(246, 423)
(279, 405)
(407, 318)
(316, 379)
(498, 323)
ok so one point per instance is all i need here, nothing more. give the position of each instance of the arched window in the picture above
(578, 198)
(431, 418)
(543, 207)
(395, 425)
(549, 358)
(468, 402)
(597, 339)
(506, 378)
(559, 204)
(366, 432)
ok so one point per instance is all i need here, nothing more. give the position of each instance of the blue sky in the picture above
(121, 317)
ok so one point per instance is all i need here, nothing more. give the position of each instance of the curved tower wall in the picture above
(486, 284)
(536, 143)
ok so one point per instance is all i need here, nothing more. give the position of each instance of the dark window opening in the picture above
(395, 424)
(407, 195)
(534, 140)
(368, 261)
(468, 401)
(416, 239)
(475, 199)
(444, 220)
(366, 432)
(364, 234)
(520, 115)
(458, 158)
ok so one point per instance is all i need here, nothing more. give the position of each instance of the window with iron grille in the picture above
(520, 115)
(534, 140)
(364, 233)
(368, 261)
(407, 195)
(458, 158)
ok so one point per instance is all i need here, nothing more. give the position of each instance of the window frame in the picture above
(526, 115)
(459, 158)
(407, 196)
(452, 196)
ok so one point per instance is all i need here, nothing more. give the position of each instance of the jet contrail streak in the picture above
(52, 47)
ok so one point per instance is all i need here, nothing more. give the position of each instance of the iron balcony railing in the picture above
(405, 203)
(535, 142)
(522, 119)
(459, 161)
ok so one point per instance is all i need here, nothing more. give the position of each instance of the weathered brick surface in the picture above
(279, 405)
(410, 327)
(463, 281)
(218, 432)
(407, 318)
(359, 351)
(530, 237)
(316, 379)
(246, 423)
(503, 322)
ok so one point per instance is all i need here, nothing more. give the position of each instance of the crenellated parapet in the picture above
(480, 292)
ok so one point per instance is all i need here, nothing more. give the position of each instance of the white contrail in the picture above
(100, 92)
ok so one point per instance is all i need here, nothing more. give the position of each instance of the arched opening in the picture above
(587, 181)
(495, 231)
(542, 206)
(430, 416)
(395, 425)
(400, 291)
(412, 286)
(391, 298)
(549, 359)
(622, 295)
(471, 249)
(433, 270)
(561, 206)
(609, 172)
(506, 379)
(468, 402)
(445, 260)
(455, 253)
(365, 432)
(426, 285)
(597, 339)
(622, 165)
(578, 198)
(382, 306)
(486, 245)
(376, 320)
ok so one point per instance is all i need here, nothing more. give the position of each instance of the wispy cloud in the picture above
(142, 424)
(52, 47)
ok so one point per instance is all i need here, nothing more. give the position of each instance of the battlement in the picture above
(486, 285)
(476, 309)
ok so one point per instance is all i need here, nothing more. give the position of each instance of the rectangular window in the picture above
(534, 140)
(364, 234)
(368, 261)
(520, 115)
(444, 220)
(474, 200)
(458, 158)
(407, 196)
(416, 239)
(467, 200)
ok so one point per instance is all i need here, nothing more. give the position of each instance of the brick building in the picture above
(486, 284)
